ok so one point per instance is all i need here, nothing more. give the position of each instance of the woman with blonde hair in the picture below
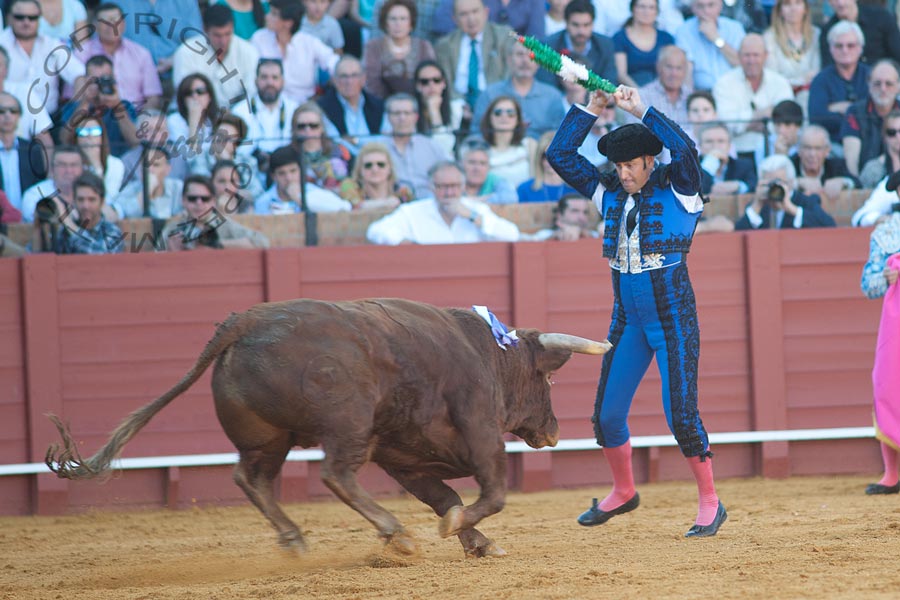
(373, 183)
(792, 42)
(546, 185)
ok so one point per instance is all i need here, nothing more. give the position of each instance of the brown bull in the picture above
(425, 393)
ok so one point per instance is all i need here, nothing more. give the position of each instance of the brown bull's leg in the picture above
(491, 477)
(255, 474)
(339, 469)
(441, 497)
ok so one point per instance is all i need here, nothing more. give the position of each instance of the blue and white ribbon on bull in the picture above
(501, 332)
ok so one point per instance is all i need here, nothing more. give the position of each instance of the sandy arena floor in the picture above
(800, 538)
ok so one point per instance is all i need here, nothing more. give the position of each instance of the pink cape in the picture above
(886, 372)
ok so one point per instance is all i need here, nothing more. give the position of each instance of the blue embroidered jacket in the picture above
(665, 226)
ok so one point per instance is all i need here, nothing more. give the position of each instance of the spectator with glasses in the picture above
(391, 59)
(413, 153)
(839, 85)
(511, 152)
(190, 128)
(861, 129)
(286, 194)
(882, 36)
(90, 136)
(22, 163)
(203, 226)
(325, 162)
(353, 113)
(876, 169)
(446, 218)
(444, 118)
(373, 183)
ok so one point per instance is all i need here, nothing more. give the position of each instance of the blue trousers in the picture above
(654, 314)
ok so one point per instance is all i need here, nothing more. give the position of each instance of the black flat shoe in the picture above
(712, 528)
(595, 516)
(873, 489)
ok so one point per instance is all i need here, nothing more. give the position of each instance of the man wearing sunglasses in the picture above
(22, 164)
(861, 129)
(36, 61)
(285, 195)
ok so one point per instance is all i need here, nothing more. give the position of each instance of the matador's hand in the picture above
(629, 100)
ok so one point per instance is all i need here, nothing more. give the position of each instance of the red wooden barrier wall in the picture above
(787, 342)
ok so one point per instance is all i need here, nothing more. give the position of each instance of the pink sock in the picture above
(706, 489)
(889, 455)
(619, 459)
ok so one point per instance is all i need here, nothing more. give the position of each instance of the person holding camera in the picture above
(778, 203)
(78, 228)
(99, 97)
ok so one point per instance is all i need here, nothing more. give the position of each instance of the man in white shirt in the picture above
(448, 218)
(232, 71)
(36, 61)
(284, 197)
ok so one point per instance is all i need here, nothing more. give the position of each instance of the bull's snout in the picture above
(544, 438)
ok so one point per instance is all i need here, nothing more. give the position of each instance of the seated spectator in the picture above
(353, 113)
(152, 132)
(447, 218)
(817, 174)
(671, 88)
(35, 59)
(304, 56)
(99, 97)
(228, 143)
(555, 19)
(882, 36)
(231, 185)
(787, 118)
(190, 128)
(876, 169)
(778, 203)
(880, 204)
(164, 196)
(66, 166)
(701, 108)
(205, 227)
(227, 62)
(579, 39)
(33, 123)
(390, 60)
(286, 196)
(638, 44)
(481, 184)
(503, 128)
(861, 129)
(441, 117)
(373, 183)
(747, 94)
(612, 15)
(792, 43)
(248, 15)
(60, 18)
(22, 163)
(325, 162)
(546, 185)
(413, 153)
(541, 105)
(722, 173)
(839, 85)
(136, 76)
(711, 41)
(90, 136)
(749, 13)
(318, 23)
(488, 41)
(571, 221)
(268, 113)
(83, 230)
(523, 16)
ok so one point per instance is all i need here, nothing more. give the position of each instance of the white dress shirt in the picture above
(233, 77)
(462, 67)
(39, 72)
(302, 59)
(267, 127)
(421, 222)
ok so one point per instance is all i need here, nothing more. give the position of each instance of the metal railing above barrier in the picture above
(312, 455)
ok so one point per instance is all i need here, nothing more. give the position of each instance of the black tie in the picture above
(631, 219)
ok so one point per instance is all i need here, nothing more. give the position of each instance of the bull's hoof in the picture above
(491, 550)
(452, 522)
(293, 541)
(401, 543)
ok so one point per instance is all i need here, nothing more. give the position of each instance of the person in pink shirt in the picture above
(136, 75)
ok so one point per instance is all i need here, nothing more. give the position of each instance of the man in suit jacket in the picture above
(353, 113)
(579, 39)
(778, 202)
(22, 163)
(489, 41)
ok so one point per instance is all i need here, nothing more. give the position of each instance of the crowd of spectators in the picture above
(191, 112)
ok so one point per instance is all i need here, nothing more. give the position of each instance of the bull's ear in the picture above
(551, 360)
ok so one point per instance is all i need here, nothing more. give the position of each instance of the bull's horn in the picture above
(574, 343)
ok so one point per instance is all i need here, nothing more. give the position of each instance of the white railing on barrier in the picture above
(647, 441)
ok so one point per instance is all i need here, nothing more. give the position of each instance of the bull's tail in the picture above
(67, 461)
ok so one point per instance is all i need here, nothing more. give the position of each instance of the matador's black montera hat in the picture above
(629, 142)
